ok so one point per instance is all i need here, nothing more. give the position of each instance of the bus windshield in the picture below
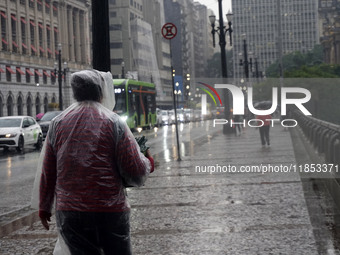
(120, 107)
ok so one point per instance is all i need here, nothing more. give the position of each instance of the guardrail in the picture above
(324, 136)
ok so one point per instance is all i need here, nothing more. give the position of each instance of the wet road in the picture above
(17, 170)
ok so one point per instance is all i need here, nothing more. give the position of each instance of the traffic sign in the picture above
(169, 31)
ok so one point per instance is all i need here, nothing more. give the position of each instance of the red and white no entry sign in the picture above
(169, 31)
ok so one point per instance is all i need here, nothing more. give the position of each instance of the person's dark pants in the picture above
(93, 232)
(264, 133)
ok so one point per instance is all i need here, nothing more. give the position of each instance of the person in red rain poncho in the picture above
(89, 154)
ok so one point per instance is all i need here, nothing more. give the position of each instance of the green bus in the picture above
(136, 102)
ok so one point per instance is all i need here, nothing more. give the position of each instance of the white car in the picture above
(19, 131)
(171, 114)
(164, 117)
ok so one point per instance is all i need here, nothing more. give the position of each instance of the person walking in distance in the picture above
(264, 126)
(89, 154)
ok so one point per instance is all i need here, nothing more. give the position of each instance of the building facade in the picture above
(192, 46)
(329, 13)
(33, 32)
(137, 48)
(271, 29)
(153, 13)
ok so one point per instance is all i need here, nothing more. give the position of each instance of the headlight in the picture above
(125, 118)
(10, 135)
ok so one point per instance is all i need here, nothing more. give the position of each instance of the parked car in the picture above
(19, 131)
(46, 120)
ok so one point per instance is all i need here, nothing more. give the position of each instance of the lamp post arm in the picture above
(213, 31)
(230, 30)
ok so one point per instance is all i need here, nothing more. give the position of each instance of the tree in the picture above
(296, 60)
(213, 69)
(316, 71)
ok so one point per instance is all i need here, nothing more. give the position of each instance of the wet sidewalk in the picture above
(195, 206)
(184, 209)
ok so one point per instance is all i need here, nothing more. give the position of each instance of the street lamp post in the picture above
(245, 63)
(60, 78)
(222, 30)
(60, 72)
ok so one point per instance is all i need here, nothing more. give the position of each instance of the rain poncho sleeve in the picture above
(131, 168)
(48, 177)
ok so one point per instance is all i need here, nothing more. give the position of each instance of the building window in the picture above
(117, 45)
(116, 27)
(53, 78)
(20, 106)
(45, 75)
(36, 76)
(29, 106)
(113, 14)
(10, 106)
(37, 105)
(14, 33)
(18, 74)
(41, 50)
(55, 10)
(3, 31)
(48, 36)
(45, 104)
(28, 75)
(9, 73)
(116, 61)
(56, 40)
(131, 2)
(23, 36)
(32, 25)
(39, 5)
(113, 2)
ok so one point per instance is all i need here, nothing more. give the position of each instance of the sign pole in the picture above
(169, 31)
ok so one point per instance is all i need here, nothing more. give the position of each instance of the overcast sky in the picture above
(213, 5)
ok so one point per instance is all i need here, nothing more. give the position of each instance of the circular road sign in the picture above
(169, 31)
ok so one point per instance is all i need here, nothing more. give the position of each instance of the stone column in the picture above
(87, 46)
(44, 32)
(77, 36)
(19, 38)
(36, 28)
(83, 39)
(27, 42)
(71, 33)
(9, 27)
(52, 30)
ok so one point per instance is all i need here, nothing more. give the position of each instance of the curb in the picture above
(24, 220)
